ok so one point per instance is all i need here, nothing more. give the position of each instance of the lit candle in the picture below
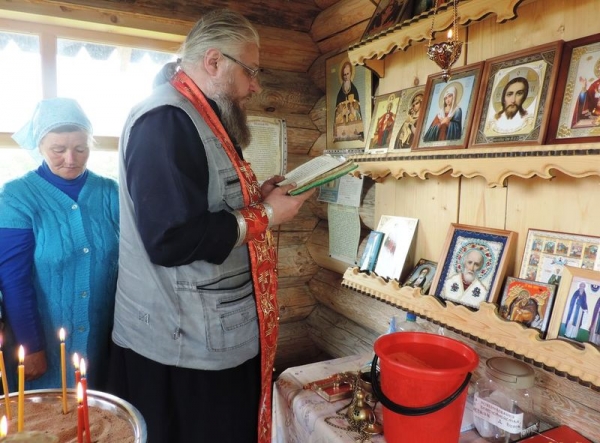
(63, 368)
(3, 427)
(21, 403)
(4, 382)
(76, 365)
(79, 413)
(86, 413)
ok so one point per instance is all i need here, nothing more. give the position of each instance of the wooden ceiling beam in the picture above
(297, 15)
(341, 16)
(282, 49)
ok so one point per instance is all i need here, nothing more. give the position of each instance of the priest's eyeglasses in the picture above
(252, 73)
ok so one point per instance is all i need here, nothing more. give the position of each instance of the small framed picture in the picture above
(387, 14)
(546, 253)
(348, 103)
(448, 109)
(527, 302)
(515, 97)
(397, 242)
(473, 264)
(422, 275)
(576, 118)
(369, 257)
(382, 123)
(576, 313)
(407, 115)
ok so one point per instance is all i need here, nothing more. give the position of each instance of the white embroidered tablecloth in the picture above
(299, 414)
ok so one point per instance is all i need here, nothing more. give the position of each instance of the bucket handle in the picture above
(407, 410)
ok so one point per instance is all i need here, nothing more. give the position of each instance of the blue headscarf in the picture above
(48, 115)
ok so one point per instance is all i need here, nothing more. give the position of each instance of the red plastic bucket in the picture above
(422, 386)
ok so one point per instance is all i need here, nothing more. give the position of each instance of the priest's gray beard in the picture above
(233, 115)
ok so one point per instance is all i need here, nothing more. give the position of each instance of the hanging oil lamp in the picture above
(445, 54)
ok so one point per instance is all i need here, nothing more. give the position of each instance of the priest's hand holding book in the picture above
(317, 172)
(285, 206)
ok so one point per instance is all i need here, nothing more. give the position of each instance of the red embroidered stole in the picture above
(263, 254)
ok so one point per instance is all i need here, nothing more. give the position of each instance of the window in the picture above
(107, 80)
(105, 76)
(20, 79)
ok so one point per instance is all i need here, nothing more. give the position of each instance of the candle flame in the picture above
(76, 360)
(61, 334)
(3, 427)
(450, 33)
(21, 354)
(79, 393)
(82, 367)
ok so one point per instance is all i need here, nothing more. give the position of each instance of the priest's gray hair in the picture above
(221, 29)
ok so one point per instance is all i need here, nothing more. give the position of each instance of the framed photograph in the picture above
(382, 122)
(386, 15)
(527, 302)
(397, 242)
(369, 257)
(516, 96)
(546, 253)
(576, 313)
(422, 275)
(576, 118)
(449, 109)
(407, 115)
(473, 264)
(348, 103)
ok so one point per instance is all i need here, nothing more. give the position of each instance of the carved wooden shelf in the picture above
(418, 28)
(560, 356)
(494, 164)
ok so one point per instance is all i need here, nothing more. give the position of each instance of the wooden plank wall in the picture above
(320, 318)
(346, 322)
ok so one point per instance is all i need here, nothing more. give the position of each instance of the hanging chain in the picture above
(455, 16)
(435, 9)
(355, 426)
(454, 27)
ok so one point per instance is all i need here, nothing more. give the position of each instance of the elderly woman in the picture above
(59, 229)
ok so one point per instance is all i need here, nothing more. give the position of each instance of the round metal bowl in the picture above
(101, 400)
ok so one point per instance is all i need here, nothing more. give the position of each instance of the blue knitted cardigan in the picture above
(74, 269)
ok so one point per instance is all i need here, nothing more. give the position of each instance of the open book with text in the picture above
(317, 172)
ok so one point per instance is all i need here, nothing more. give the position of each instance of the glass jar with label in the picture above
(502, 403)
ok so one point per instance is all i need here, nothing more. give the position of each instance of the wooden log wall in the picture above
(318, 317)
(296, 38)
(346, 322)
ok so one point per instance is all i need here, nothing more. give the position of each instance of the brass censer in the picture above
(360, 413)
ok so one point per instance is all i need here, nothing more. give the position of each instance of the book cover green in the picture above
(325, 178)
(316, 172)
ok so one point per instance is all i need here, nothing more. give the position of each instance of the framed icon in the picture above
(546, 253)
(422, 275)
(576, 118)
(382, 122)
(515, 98)
(473, 264)
(407, 115)
(448, 112)
(576, 313)
(527, 302)
(348, 103)
(386, 15)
